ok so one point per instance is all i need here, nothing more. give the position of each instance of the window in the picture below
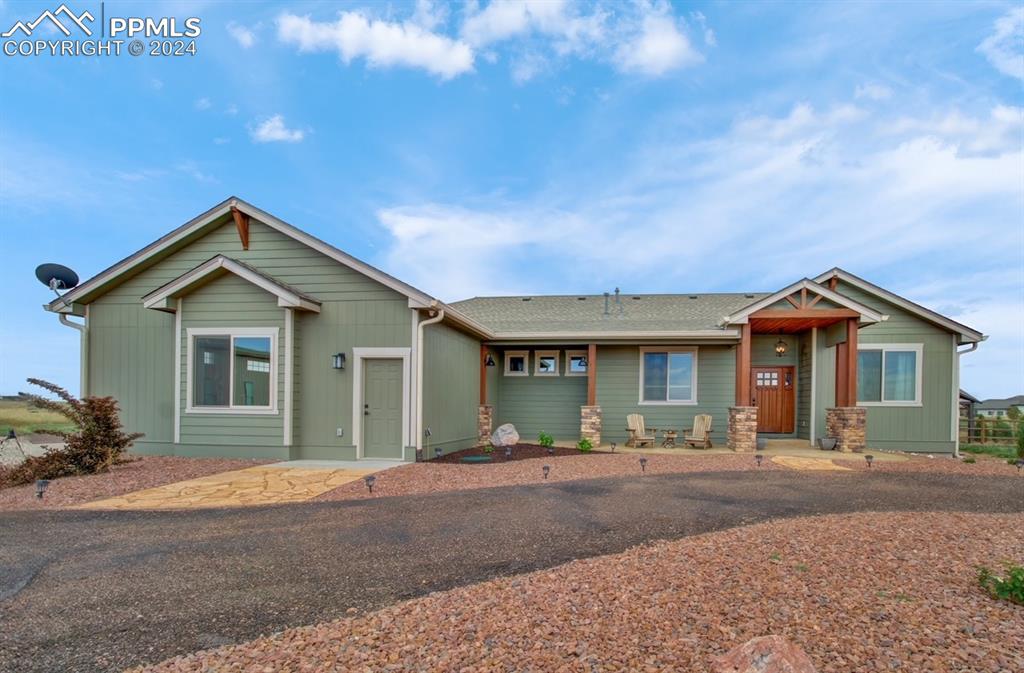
(889, 374)
(575, 363)
(668, 376)
(232, 370)
(546, 363)
(515, 363)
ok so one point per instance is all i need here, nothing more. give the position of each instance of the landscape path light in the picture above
(643, 464)
(370, 481)
(41, 485)
(869, 458)
(759, 458)
(546, 468)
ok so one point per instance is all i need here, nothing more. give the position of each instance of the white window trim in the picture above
(693, 377)
(526, 362)
(232, 332)
(537, 355)
(569, 355)
(918, 372)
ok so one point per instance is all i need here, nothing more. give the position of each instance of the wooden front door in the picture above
(773, 396)
(382, 408)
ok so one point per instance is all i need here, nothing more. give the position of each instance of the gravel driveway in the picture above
(82, 591)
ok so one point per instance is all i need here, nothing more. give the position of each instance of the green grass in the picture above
(999, 451)
(25, 419)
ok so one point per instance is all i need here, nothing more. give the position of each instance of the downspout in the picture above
(419, 374)
(956, 395)
(83, 351)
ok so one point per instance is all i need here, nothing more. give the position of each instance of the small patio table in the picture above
(670, 438)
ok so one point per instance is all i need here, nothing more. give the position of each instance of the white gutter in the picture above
(956, 393)
(83, 331)
(419, 374)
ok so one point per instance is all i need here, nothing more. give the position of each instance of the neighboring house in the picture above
(996, 408)
(240, 335)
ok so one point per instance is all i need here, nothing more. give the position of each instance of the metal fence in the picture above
(987, 430)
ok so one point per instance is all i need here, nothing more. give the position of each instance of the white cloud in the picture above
(221, 141)
(558, 20)
(273, 129)
(872, 91)
(231, 109)
(244, 36)
(203, 104)
(658, 46)
(1004, 48)
(382, 43)
(156, 84)
(702, 22)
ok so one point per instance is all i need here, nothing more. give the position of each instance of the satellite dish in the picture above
(56, 277)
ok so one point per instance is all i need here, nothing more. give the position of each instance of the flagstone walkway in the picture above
(263, 485)
(799, 463)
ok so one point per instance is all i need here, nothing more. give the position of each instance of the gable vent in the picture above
(527, 298)
(693, 296)
(581, 298)
(637, 298)
(749, 296)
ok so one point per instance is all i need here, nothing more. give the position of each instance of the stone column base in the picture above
(484, 419)
(590, 424)
(848, 425)
(741, 434)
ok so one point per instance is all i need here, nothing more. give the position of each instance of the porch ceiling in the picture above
(785, 321)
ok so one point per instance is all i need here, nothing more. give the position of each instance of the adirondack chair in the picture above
(701, 433)
(637, 432)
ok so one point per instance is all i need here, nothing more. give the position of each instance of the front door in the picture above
(382, 408)
(773, 397)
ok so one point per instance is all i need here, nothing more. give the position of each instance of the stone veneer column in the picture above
(848, 425)
(590, 424)
(741, 435)
(484, 418)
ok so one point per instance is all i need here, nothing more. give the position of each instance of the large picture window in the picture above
(233, 370)
(889, 374)
(668, 376)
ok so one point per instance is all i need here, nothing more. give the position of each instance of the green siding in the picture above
(131, 358)
(928, 427)
(230, 301)
(536, 404)
(803, 386)
(132, 348)
(451, 388)
(618, 392)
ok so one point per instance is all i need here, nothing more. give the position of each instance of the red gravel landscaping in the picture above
(143, 472)
(862, 592)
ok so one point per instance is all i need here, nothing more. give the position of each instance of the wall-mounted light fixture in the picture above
(780, 348)
(488, 361)
(338, 361)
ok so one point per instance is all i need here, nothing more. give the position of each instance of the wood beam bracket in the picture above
(242, 225)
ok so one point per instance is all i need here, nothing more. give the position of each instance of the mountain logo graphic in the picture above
(79, 21)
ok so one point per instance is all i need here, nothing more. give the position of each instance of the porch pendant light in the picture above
(780, 348)
(488, 361)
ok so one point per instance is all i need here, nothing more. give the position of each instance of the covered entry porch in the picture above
(811, 391)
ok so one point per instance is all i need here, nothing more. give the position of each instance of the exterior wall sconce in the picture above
(338, 361)
(780, 348)
(488, 361)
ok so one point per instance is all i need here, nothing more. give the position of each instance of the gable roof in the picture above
(287, 296)
(569, 316)
(867, 314)
(195, 226)
(1004, 403)
(965, 333)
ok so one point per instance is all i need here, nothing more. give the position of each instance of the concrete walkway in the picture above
(278, 483)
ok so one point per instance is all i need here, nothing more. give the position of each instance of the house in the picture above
(238, 334)
(1000, 408)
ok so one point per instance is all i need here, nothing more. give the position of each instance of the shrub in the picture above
(1020, 439)
(1008, 588)
(970, 460)
(545, 440)
(584, 445)
(488, 448)
(97, 444)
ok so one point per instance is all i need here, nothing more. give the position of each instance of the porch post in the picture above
(847, 422)
(590, 413)
(484, 412)
(743, 367)
(851, 362)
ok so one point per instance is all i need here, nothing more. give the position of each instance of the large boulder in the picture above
(767, 654)
(505, 435)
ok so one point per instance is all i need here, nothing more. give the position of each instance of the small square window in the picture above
(546, 363)
(515, 363)
(575, 363)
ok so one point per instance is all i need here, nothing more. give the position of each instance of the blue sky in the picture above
(542, 148)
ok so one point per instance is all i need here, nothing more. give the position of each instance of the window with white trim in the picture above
(889, 374)
(515, 363)
(668, 376)
(545, 363)
(575, 363)
(232, 370)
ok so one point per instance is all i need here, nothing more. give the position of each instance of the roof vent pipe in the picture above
(618, 301)
(606, 295)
